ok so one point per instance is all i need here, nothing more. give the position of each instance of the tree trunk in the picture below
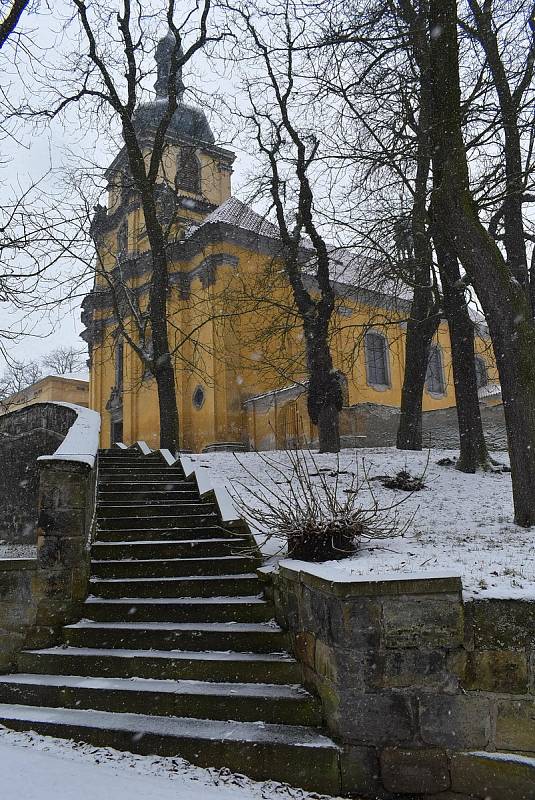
(473, 450)
(324, 399)
(420, 331)
(505, 302)
(329, 429)
(163, 369)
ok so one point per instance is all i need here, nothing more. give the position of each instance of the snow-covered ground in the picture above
(459, 523)
(35, 767)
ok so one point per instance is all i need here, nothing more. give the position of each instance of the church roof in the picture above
(234, 212)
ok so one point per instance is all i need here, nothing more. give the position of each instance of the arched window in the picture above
(122, 239)
(481, 372)
(376, 353)
(434, 379)
(188, 170)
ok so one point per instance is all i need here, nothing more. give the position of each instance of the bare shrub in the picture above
(313, 510)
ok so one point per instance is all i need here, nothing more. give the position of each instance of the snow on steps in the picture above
(300, 755)
(228, 662)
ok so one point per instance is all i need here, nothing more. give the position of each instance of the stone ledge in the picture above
(503, 776)
(17, 564)
(321, 578)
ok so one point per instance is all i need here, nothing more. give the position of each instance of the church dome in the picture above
(187, 120)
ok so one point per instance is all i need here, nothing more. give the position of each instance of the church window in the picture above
(376, 350)
(122, 238)
(188, 172)
(481, 372)
(434, 379)
(198, 397)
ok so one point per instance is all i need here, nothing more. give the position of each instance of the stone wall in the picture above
(24, 436)
(420, 689)
(38, 597)
(18, 607)
(373, 425)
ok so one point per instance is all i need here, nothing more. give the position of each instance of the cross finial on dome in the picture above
(164, 51)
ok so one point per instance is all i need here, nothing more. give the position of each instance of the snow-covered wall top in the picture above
(81, 441)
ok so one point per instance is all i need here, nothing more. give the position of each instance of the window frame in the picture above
(179, 183)
(480, 360)
(436, 349)
(378, 385)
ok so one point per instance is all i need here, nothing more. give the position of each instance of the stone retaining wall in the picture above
(24, 436)
(420, 689)
(38, 597)
(374, 425)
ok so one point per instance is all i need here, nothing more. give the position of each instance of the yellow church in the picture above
(236, 338)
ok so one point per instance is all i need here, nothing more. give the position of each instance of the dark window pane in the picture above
(188, 175)
(481, 373)
(434, 378)
(376, 359)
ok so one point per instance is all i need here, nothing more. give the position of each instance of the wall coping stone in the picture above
(343, 584)
(13, 564)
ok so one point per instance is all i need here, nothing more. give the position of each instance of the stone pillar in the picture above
(64, 529)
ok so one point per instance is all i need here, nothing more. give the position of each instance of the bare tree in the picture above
(18, 375)
(64, 360)
(10, 20)
(502, 286)
(109, 77)
(291, 152)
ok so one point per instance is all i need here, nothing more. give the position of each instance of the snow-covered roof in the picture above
(234, 212)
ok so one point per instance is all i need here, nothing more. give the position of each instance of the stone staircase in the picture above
(177, 653)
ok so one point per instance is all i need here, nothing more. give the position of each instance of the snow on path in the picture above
(462, 523)
(35, 767)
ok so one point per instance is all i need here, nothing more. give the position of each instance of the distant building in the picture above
(63, 388)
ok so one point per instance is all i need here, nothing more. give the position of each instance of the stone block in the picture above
(362, 622)
(411, 668)
(415, 771)
(515, 725)
(364, 587)
(497, 671)
(322, 615)
(493, 776)
(360, 773)
(325, 662)
(15, 586)
(63, 486)
(423, 622)
(501, 624)
(305, 648)
(374, 719)
(456, 721)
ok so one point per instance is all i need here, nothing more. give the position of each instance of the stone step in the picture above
(162, 534)
(133, 522)
(170, 609)
(146, 484)
(247, 702)
(172, 567)
(156, 472)
(200, 586)
(133, 495)
(242, 637)
(172, 548)
(299, 755)
(106, 508)
(185, 665)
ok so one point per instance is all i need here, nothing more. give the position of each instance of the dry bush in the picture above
(313, 510)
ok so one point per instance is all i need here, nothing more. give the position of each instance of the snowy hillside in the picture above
(460, 523)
